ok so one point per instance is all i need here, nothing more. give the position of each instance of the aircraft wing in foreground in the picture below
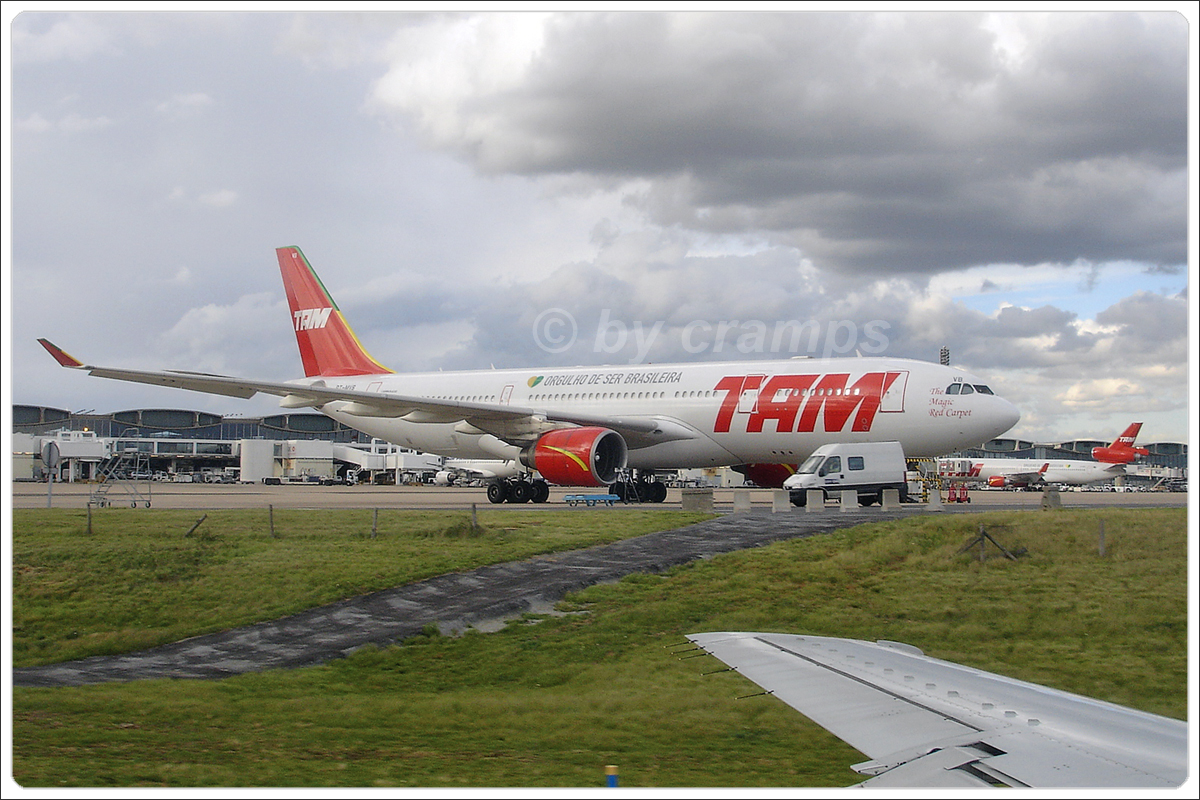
(924, 722)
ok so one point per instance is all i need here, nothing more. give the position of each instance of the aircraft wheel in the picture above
(497, 492)
(658, 492)
(541, 491)
(521, 492)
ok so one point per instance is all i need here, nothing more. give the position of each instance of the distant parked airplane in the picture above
(1110, 463)
(928, 723)
(584, 426)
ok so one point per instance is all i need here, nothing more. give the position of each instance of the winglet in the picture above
(61, 356)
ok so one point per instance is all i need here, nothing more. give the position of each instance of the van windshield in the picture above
(810, 465)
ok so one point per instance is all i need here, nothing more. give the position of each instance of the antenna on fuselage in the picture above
(944, 356)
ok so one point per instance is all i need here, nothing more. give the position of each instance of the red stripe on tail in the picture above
(328, 347)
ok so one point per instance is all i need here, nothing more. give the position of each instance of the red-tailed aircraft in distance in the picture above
(586, 426)
(1110, 463)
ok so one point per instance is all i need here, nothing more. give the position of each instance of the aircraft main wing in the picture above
(506, 421)
(1028, 477)
(924, 722)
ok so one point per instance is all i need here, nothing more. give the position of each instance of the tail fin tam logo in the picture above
(308, 319)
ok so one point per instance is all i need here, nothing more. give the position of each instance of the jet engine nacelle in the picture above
(443, 478)
(997, 481)
(768, 476)
(578, 456)
(1119, 455)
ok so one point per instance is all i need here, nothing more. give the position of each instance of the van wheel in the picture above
(799, 500)
(868, 499)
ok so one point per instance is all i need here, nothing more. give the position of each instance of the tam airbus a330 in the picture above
(587, 426)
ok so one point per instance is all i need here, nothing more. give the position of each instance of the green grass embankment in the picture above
(549, 701)
(139, 580)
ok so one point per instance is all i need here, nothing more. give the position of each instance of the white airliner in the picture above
(1110, 463)
(924, 722)
(585, 426)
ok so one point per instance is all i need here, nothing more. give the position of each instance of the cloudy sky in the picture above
(1010, 185)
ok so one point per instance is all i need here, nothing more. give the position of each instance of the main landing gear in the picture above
(518, 490)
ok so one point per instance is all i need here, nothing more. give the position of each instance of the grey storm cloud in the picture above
(455, 176)
(877, 143)
(613, 300)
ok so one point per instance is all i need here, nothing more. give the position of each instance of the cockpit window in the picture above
(966, 389)
(982, 389)
(953, 388)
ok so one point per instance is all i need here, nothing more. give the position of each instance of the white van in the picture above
(869, 468)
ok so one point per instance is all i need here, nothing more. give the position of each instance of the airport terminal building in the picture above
(182, 445)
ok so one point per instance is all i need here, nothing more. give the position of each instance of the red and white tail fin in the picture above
(1122, 451)
(328, 347)
(1127, 438)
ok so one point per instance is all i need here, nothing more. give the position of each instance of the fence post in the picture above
(197, 525)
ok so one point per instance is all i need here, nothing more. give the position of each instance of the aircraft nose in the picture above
(1007, 415)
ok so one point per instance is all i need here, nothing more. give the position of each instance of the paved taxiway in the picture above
(213, 496)
(477, 598)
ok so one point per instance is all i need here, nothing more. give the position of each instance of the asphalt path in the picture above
(479, 598)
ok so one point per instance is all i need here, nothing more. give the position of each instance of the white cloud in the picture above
(183, 106)
(34, 123)
(70, 123)
(53, 37)
(221, 198)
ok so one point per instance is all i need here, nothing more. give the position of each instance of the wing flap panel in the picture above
(901, 707)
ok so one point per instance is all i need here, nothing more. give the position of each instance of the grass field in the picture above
(139, 579)
(550, 700)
